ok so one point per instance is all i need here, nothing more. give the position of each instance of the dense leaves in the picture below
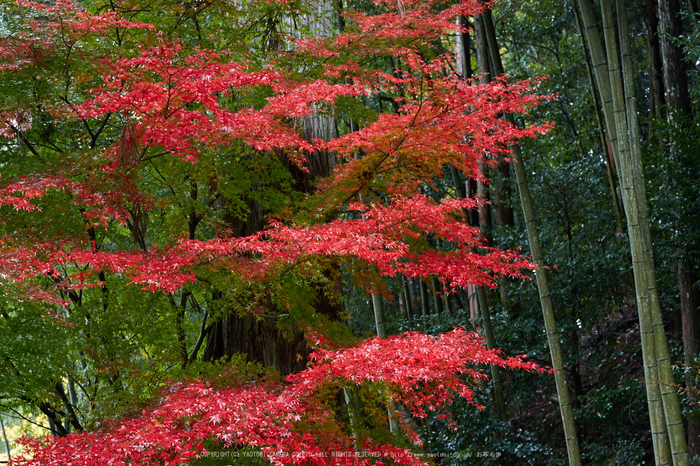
(286, 423)
(168, 193)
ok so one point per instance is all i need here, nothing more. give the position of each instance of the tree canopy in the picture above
(165, 180)
(299, 232)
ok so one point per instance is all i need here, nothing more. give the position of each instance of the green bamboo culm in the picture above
(496, 378)
(553, 336)
(604, 77)
(606, 149)
(669, 395)
(378, 308)
(666, 420)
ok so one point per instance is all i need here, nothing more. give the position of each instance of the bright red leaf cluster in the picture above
(380, 237)
(286, 423)
(170, 100)
(184, 104)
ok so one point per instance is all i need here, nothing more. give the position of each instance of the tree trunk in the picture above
(406, 296)
(675, 69)
(259, 339)
(462, 50)
(424, 305)
(602, 76)
(496, 379)
(256, 337)
(669, 395)
(4, 438)
(605, 147)
(437, 296)
(553, 334)
(658, 371)
(675, 79)
(631, 199)
(691, 344)
(656, 86)
(482, 55)
(378, 309)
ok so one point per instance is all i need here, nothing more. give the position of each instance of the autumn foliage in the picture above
(287, 422)
(162, 121)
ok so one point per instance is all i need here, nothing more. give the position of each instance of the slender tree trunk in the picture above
(504, 218)
(674, 65)
(462, 50)
(604, 76)
(634, 220)
(424, 309)
(406, 296)
(656, 86)
(496, 379)
(553, 335)
(675, 81)
(472, 190)
(473, 303)
(437, 296)
(4, 438)
(412, 297)
(486, 72)
(460, 188)
(504, 212)
(691, 345)
(53, 428)
(657, 101)
(378, 309)
(672, 411)
(605, 147)
(352, 413)
(654, 344)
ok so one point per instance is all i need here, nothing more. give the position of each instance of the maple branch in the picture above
(155, 156)
(390, 99)
(365, 180)
(202, 334)
(82, 387)
(193, 219)
(25, 141)
(51, 413)
(179, 319)
(50, 145)
(93, 135)
(72, 295)
(93, 141)
(23, 417)
(72, 417)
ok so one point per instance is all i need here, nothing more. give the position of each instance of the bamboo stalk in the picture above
(664, 414)
(553, 336)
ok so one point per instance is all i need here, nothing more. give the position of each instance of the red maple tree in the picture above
(289, 423)
(173, 101)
